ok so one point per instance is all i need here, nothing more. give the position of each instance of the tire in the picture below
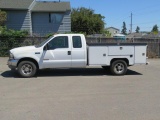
(27, 69)
(118, 67)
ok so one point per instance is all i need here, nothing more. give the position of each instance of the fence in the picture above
(6, 44)
(153, 49)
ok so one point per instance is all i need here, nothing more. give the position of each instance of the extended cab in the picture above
(71, 51)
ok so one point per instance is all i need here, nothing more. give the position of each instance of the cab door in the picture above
(58, 54)
(78, 52)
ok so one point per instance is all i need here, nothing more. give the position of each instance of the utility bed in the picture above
(99, 53)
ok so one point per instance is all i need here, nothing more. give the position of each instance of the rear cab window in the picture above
(76, 41)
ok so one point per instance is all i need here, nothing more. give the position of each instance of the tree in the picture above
(86, 21)
(3, 17)
(124, 29)
(155, 29)
(137, 29)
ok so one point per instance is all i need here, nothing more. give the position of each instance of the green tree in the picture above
(3, 17)
(124, 29)
(84, 20)
(137, 29)
(155, 29)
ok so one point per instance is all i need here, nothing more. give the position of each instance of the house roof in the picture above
(15, 4)
(39, 6)
(51, 6)
(152, 35)
(135, 35)
(112, 28)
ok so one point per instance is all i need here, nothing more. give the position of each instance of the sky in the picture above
(146, 13)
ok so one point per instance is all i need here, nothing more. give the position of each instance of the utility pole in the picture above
(131, 23)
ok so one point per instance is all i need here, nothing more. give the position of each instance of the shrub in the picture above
(10, 39)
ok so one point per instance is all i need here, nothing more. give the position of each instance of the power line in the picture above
(146, 22)
(147, 13)
(121, 19)
(147, 7)
(138, 12)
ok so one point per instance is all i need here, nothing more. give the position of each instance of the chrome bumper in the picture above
(12, 64)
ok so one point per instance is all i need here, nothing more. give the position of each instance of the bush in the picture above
(4, 32)
(49, 35)
(10, 39)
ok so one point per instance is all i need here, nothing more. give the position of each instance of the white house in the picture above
(113, 31)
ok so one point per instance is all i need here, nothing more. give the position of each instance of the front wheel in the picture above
(119, 67)
(27, 69)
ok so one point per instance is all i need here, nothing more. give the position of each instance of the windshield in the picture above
(44, 42)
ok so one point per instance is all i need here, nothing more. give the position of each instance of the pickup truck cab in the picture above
(71, 51)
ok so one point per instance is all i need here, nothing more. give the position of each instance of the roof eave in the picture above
(13, 8)
(47, 11)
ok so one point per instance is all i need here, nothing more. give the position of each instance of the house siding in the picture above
(41, 25)
(66, 23)
(113, 31)
(18, 20)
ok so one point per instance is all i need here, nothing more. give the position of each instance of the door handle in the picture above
(69, 52)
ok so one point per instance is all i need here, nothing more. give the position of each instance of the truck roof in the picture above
(67, 34)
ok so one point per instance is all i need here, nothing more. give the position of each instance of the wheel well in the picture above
(125, 59)
(29, 59)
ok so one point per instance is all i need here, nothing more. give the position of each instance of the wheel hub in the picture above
(26, 69)
(119, 68)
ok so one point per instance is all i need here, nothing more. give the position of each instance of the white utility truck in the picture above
(71, 51)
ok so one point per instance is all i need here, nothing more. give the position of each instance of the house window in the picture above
(55, 18)
(115, 32)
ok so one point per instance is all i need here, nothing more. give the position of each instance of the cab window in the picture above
(58, 42)
(77, 43)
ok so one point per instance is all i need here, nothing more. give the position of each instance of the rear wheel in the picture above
(119, 67)
(27, 69)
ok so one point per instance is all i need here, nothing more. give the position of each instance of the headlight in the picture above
(11, 56)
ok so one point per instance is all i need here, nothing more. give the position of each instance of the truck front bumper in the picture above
(12, 64)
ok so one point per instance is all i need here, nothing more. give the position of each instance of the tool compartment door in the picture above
(121, 50)
(140, 54)
(97, 55)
